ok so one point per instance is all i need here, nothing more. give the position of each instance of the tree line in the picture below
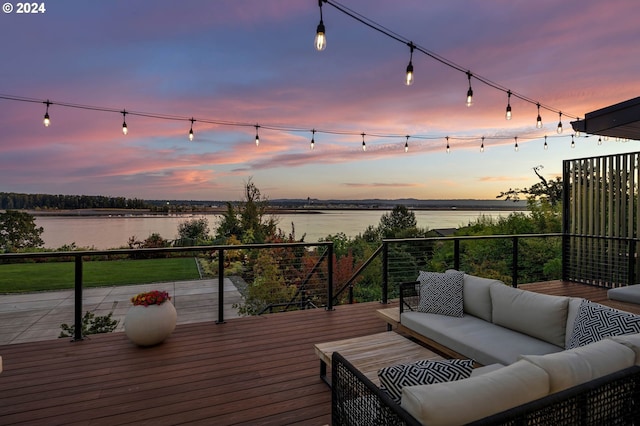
(18, 201)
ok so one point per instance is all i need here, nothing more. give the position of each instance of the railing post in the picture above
(514, 268)
(631, 273)
(77, 329)
(220, 287)
(456, 254)
(385, 271)
(330, 277)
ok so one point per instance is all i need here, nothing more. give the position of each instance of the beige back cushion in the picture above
(463, 401)
(575, 366)
(477, 299)
(537, 315)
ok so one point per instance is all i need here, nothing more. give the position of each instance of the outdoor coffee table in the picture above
(370, 353)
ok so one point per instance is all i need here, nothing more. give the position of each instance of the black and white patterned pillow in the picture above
(441, 293)
(425, 372)
(594, 322)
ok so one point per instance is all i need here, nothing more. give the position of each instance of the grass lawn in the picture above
(24, 277)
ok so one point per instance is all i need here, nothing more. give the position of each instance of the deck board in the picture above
(248, 371)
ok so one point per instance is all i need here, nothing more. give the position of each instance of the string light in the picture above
(559, 129)
(364, 145)
(539, 119)
(313, 142)
(152, 115)
(546, 147)
(47, 119)
(606, 138)
(600, 141)
(191, 129)
(409, 77)
(448, 147)
(257, 137)
(573, 143)
(397, 37)
(577, 133)
(321, 39)
(125, 129)
(482, 145)
(516, 147)
(406, 144)
(470, 91)
(507, 114)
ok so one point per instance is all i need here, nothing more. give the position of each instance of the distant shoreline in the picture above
(276, 210)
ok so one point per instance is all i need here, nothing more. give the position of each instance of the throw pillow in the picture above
(425, 372)
(594, 322)
(441, 293)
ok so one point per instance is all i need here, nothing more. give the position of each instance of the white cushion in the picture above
(575, 366)
(595, 322)
(463, 401)
(441, 293)
(537, 315)
(476, 296)
(631, 341)
(474, 338)
(630, 293)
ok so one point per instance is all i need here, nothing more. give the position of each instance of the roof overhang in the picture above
(619, 121)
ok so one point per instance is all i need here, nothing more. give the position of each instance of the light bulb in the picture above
(516, 148)
(546, 147)
(448, 147)
(257, 137)
(47, 120)
(125, 129)
(364, 145)
(507, 114)
(409, 77)
(191, 130)
(470, 91)
(313, 142)
(539, 119)
(599, 141)
(573, 143)
(482, 145)
(559, 128)
(320, 41)
(406, 145)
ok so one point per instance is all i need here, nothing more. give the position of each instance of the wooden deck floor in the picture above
(249, 371)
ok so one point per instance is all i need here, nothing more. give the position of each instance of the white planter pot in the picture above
(150, 325)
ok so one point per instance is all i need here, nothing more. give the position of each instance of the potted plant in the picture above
(151, 319)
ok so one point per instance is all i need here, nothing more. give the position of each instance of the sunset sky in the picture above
(247, 63)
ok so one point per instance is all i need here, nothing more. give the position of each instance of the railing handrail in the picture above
(48, 254)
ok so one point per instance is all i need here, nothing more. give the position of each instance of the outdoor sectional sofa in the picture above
(547, 359)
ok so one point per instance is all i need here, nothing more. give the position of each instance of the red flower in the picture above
(153, 297)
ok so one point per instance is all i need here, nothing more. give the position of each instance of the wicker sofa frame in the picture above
(610, 400)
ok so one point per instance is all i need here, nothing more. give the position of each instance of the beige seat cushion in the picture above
(575, 366)
(463, 401)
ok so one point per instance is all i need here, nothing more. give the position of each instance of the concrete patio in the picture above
(37, 316)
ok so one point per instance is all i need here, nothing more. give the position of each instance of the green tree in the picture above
(249, 220)
(196, 230)
(397, 222)
(18, 231)
(549, 191)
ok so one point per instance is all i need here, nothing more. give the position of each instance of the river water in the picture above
(107, 232)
